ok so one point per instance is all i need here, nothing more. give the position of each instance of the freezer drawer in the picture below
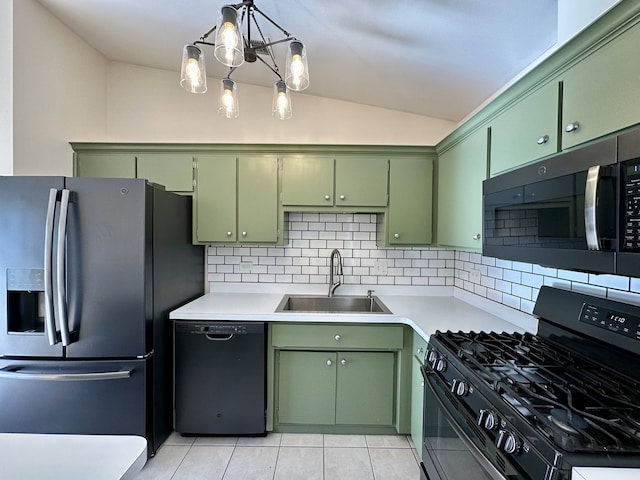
(73, 397)
(220, 379)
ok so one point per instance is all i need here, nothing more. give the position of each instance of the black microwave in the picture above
(578, 210)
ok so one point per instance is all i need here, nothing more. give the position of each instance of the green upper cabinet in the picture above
(258, 199)
(601, 94)
(105, 165)
(409, 218)
(174, 171)
(307, 181)
(528, 130)
(315, 181)
(236, 199)
(361, 181)
(215, 206)
(461, 171)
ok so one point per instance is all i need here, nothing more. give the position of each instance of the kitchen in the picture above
(500, 281)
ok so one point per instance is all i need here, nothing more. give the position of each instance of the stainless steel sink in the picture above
(339, 304)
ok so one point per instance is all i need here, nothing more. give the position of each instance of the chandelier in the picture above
(233, 46)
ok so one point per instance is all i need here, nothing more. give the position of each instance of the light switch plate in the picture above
(380, 268)
(474, 276)
(246, 266)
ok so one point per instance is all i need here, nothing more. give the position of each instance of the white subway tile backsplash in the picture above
(312, 236)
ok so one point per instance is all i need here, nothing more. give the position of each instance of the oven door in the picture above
(453, 448)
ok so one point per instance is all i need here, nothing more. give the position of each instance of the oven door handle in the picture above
(590, 203)
(490, 469)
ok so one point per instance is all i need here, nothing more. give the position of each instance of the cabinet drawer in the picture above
(337, 336)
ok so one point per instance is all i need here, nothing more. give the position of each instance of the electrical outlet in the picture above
(246, 266)
(474, 276)
(380, 268)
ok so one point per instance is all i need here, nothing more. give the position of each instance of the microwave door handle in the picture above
(590, 199)
(61, 269)
(49, 318)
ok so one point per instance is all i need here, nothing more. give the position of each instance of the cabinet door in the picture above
(105, 165)
(461, 171)
(410, 211)
(307, 181)
(602, 92)
(258, 199)
(306, 387)
(361, 181)
(527, 131)
(174, 171)
(215, 208)
(365, 388)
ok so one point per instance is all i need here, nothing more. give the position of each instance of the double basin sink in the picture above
(325, 304)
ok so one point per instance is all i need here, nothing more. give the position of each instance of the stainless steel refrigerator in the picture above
(89, 269)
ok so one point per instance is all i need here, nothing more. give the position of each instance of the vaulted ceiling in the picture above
(439, 58)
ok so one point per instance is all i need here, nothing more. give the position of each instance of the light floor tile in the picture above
(387, 441)
(208, 462)
(271, 440)
(347, 464)
(394, 464)
(302, 440)
(164, 464)
(229, 441)
(345, 441)
(300, 463)
(252, 463)
(176, 439)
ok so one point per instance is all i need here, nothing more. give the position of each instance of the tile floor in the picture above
(284, 456)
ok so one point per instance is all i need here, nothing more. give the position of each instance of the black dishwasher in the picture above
(220, 378)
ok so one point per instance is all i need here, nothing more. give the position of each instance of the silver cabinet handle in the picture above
(477, 236)
(61, 277)
(342, 197)
(572, 127)
(337, 337)
(244, 234)
(329, 363)
(229, 234)
(590, 199)
(327, 197)
(396, 235)
(343, 362)
(542, 140)
(48, 266)
(419, 350)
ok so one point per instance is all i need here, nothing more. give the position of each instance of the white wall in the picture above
(575, 15)
(148, 105)
(6, 87)
(59, 92)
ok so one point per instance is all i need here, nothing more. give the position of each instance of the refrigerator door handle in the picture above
(61, 270)
(16, 374)
(50, 322)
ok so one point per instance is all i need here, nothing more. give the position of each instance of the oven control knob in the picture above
(432, 356)
(508, 442)
(459, 387)
(488, 419)
(440, 365)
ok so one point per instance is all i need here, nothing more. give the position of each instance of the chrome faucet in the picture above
(335, 269)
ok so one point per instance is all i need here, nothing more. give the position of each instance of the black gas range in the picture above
(524, 406)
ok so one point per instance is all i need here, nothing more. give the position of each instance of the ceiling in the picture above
(439, 58)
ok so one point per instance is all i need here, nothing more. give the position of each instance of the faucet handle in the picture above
(369, 292)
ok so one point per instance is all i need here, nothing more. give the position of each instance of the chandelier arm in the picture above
(201, 42)
(271, 21)
(270, 67)
(264, 40)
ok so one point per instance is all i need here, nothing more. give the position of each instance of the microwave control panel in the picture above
(631, 206)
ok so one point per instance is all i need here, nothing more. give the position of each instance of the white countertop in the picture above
(71, 457)
(425, 314)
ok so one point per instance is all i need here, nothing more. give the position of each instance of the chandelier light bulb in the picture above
(281, 101)
(193, 77)
(228, 103)
(297, 73)
(229, 47)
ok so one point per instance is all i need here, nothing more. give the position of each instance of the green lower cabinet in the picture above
(335, 388)
(417, 391)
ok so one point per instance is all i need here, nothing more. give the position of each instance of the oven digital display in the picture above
(616, 322)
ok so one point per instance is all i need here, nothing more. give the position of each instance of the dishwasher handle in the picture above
(218, 337)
